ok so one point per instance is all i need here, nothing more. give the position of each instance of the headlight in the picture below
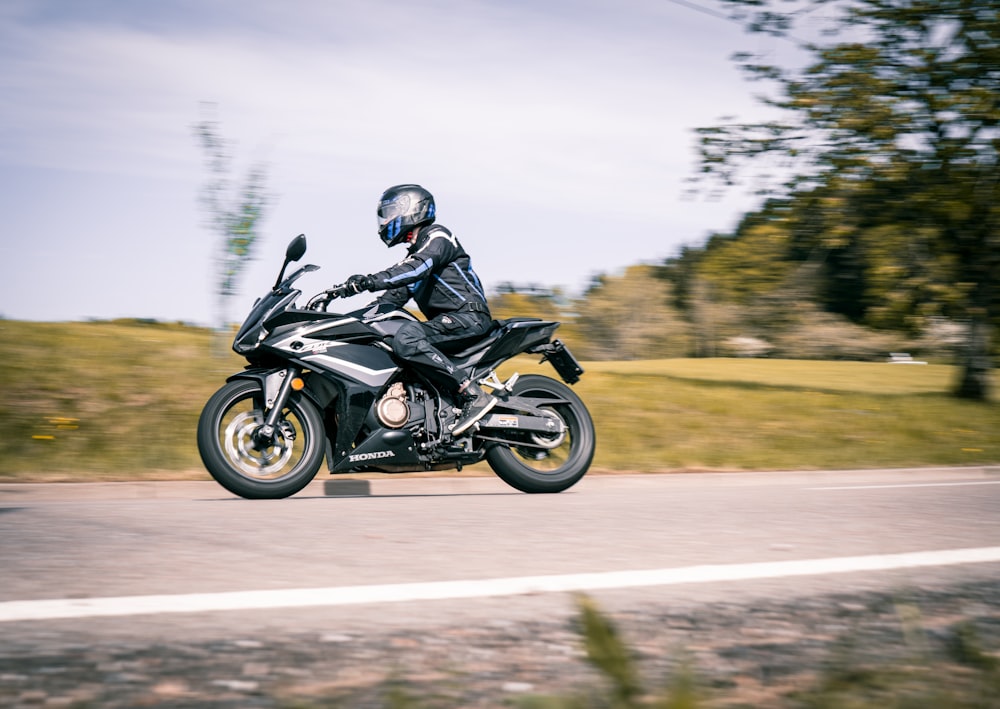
(250, 341)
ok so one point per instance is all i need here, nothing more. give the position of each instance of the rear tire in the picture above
(562, 460)
(228, 450)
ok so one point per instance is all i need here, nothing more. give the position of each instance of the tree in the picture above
(629, 317)
(892, 133)
(746, 268)
(234, 216)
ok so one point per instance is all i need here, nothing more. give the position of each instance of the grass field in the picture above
(772, 414)
(121, 400)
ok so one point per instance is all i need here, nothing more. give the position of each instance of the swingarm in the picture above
(525, 414)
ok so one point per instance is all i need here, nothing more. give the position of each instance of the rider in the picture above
(437, 273)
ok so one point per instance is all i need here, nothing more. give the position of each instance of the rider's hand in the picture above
(359, 283)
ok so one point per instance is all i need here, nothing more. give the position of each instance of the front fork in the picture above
(277, 388)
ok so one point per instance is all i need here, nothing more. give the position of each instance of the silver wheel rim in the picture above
(243, 452)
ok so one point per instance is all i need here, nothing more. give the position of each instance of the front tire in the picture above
(242, 466)
(547, 464)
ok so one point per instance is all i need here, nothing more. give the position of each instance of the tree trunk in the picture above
(977, 366)
(221, 332)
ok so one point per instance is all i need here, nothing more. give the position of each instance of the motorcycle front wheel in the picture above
(543, 462)
(240, 462)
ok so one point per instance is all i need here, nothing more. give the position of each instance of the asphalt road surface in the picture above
(180, 559)
(180, 595)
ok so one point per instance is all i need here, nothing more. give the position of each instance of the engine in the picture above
(408, 407)
(392, 408)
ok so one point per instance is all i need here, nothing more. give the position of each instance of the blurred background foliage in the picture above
(880, 226)
(882, 165)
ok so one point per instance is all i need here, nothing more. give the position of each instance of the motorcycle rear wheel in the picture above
(238, 463)
(547, 463)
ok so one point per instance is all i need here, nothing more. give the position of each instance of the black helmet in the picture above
(402, 209)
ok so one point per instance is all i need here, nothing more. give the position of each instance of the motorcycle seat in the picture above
(499, 329)
(488, 339)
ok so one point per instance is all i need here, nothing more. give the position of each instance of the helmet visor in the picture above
(392, 208)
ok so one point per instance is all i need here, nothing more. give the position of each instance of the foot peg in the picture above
(493, 382)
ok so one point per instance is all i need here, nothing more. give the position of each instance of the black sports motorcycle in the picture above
(326, 384)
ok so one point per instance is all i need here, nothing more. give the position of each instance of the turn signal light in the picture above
(298, 384)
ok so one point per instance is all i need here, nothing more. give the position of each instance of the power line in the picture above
(702, 9)
(722, 16)
(705, 10)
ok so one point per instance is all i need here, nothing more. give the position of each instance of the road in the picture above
(162, 563)
(102, 541)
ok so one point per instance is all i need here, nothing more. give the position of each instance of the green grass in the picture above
(118, 400)
(734, 414)
(110, 399)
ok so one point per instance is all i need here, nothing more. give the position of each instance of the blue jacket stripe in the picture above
(425, 266)
(475, 286)
(455, 292)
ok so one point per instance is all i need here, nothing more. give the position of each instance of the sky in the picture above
(556, 136)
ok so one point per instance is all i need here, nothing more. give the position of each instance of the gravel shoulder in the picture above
(767, 653)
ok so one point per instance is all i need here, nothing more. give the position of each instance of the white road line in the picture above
(889, 487)
(482, 588)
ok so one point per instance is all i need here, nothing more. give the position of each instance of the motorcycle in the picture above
(320, 384)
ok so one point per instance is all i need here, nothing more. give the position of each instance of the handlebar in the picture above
(321, 300)
(341, 291)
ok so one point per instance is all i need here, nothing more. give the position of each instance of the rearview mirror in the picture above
(296, 249)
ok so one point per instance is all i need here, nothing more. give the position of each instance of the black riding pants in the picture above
(421, 343)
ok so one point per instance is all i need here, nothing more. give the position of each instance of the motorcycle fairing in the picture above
(394, 447)
(367, 365)
(386, 319)
(270, 380)
(352, 407)
(293, 324)
(253, 329)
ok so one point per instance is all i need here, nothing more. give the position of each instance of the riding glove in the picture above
(359, 283)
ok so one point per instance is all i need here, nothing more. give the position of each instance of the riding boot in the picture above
(477, 404)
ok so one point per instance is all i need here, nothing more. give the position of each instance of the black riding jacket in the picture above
(436, 273)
